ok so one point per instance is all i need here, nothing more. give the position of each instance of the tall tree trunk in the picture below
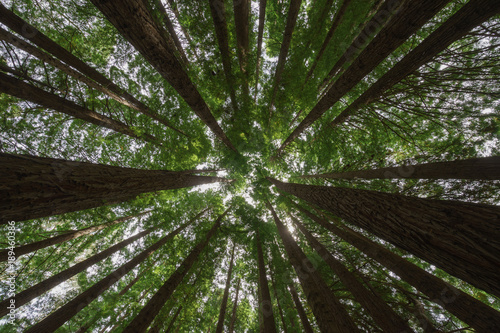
(223, 306)
(265, 303)
(171, 325)
(235, 308)
(410, 17)
(469, 310)
(474, 13)
(329, 312)
(173, 6)
(319, 24)
(461, 238)
(44, 286)
(241, 19)
(275, 291)
(378, 309)
(34, 187)
(172, 32)
(300, 309)
(260, 36)
(28, 92)
(291, 20)
(28, 248)
(141, 322)
(487, 168)
(29, 32)
(136, 24)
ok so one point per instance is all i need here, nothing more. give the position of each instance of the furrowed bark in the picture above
(486, 168)
(329, 312)
(141, 322)
(223, 306)
(260, 36)
(132, 19)
(241, 19)
(235, 308)
(409, 18)
(300, 309)
(473, 14)
(34, 187)
(466, 308)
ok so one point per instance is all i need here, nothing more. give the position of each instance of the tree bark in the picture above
(223, 306)
(469, 310)
(171, 325)
(172, 33)
(329, 312)
(486, 168)
(34, 187)
(28, 248)
(474, 13)
(378, 309)
(461, 238)
(173, 6)
(141, 322)
(235, 308)
(136, 24)
(44, 286)
(409, 18)
(275, 291)
(260, 36)
(300, 309)
(241, 18)
(265, 303)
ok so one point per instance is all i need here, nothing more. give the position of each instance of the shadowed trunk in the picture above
(171, 31)
(319, 23)
(235, 308)
(482, 319)
(223, 306)
(300, 309)
(35, 187)
(487, 168)
(260, 36)
(171, 325)
(275, 292)
(241, 20)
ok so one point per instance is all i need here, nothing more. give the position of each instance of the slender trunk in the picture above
(28, 248)
(172, 32)
(134, 281)
(29, 32)
(316, 27)
(410, 17)
(487, 168)
(291, 20)
(136, 24)
(461, 238)
(171, 325)
(469, 310)
(241, 18)
(474, 13)
(265, 304)
(336, 21)
(218, 10)
(141, 322)
(223, 306)
(329, 312)
(300, 309)
(28, 92)
(275, 291)
(379, 310)
(35, 187)
(173, 6)
(423, 320)
(235, 308)
(260, 36)
(44, 286)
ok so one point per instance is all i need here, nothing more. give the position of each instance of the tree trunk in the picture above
(291, 20)
(487, 168)
(173, 6)
(378, 309)
(235, 308)
(469, 310)
(474, 13)
(300, 309)
(136, 24)
(329, 312)
(171, 325)
(241, 19)
(172, 33)
(28, 248)
(265, 304)
(410, 17)
(44, 286)
(461, 238)
(260, 36)
(320, 22)
(223, 306)
(34, 187)
(141, 322)
(275, 291)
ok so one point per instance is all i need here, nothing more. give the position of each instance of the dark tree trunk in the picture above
(223, 306)
(44, 286)
(487, 168)
(471, 311)
(34, 187)
(329, 312)
(275, 291)
(410, 17)
(172, 33)
(142, 321)
(235, 308)
(474, 13)
(461, 238)
(136, 24)
(171, 325)
(378, 309)
(241, 19)
(28, 248)
(265, 303)
(300, 309)
(320, 22)
(173, 6)
(260, 36)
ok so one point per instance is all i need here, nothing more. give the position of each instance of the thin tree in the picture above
(223, 306)
(275, 292)
(328, 311)
(171, 324)
(260, 36)
(235, 308)
(173, 6)
(300, 309)
(172, 33)
(487, 168)
(241, 10)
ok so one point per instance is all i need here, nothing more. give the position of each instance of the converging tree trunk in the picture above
(223, 306)
(173, 34)
(35, 187)
(172, 322)
(241, 19)
(329, 312)
(486, 168)
(275, 292)
(300, 309)
(482, 319)
(235, 308)
(260, 36)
